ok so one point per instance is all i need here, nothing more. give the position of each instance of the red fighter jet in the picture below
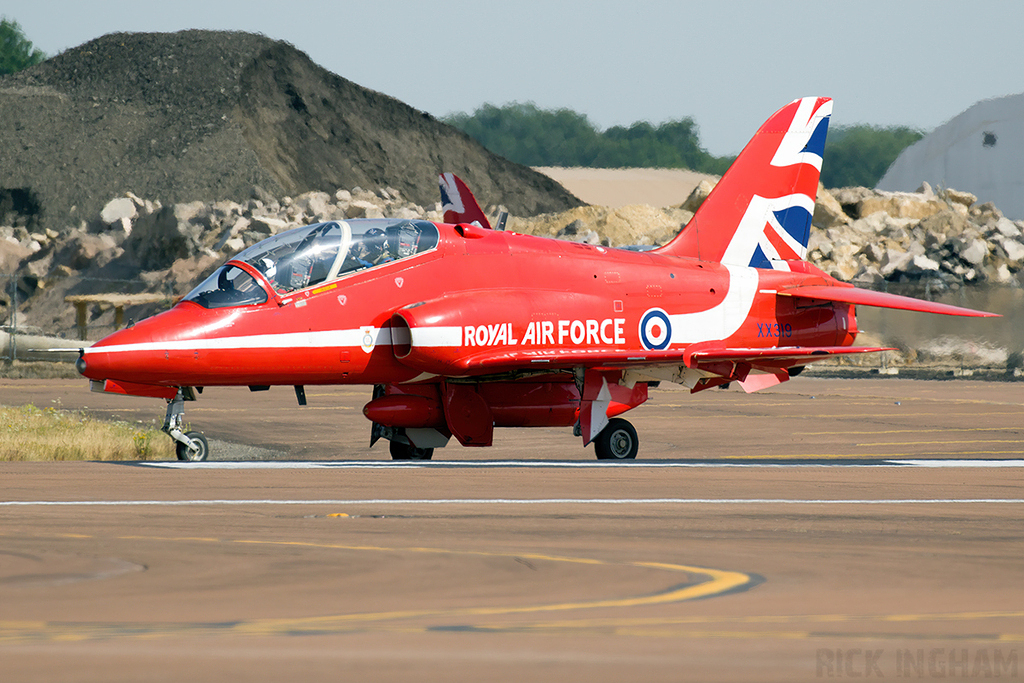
(461, 328)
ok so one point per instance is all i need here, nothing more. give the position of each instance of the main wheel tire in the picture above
(405, 451)
(617, 441)
(185, 453)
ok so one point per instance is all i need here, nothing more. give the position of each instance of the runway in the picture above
(773, 537)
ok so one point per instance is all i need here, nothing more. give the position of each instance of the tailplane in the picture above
(458, 203)
(759, 213)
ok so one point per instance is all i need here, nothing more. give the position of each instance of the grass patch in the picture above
(28, 433)
(38, 370)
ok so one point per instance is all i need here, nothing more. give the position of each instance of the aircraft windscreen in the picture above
(308, 256)
(228, 286)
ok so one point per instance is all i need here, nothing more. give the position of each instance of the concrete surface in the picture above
(823, 529)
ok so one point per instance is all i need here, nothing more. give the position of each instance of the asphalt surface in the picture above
(822, 529)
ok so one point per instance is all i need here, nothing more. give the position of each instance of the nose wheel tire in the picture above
(197, 454)
(617, 441)
(405, 451)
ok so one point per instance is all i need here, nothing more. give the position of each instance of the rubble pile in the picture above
(940, 238)
(206, 115)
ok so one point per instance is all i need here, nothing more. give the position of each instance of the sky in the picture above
(727, 65)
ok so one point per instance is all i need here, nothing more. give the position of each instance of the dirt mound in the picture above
(203, 115)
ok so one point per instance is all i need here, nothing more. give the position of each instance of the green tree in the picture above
(854, 155)
(16, 51)
(532, 136)
(858, 156)
(527, 135)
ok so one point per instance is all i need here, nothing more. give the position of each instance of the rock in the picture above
(868, 276)
(844, 269)
(361, 208)
(988, 209)
(82, 251)
(268, 225)
(975, 252)
(314, 204)
(1007, 228)
(894, 261)
(118, 209)
(238, 227)
(922, 264)
(1014, 250)
(850, 199)
(698, 195)
(872, 251)
(570, 230)
(827, 211)
(819, 244)
(957, 197)
(161, 238)
(902, 205)
(233, 245)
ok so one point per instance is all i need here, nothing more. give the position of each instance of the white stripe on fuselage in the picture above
(723, 320)
(324, 339)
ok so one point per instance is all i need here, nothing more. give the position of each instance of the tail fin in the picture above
(458, 203)
(759, 213)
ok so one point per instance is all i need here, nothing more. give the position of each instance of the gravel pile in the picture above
(211, 116)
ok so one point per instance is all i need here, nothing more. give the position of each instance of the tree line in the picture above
(854, 155)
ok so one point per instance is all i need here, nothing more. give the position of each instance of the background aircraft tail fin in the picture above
(759, 213)
(458, 203)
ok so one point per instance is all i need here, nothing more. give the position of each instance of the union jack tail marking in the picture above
(458, 203)
(759, 214)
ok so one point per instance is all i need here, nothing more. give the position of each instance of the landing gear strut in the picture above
(617, 441)
(188, 445)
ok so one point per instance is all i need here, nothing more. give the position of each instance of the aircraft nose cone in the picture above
(122, 354)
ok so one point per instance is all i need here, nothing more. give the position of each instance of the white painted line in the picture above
(959, 463)
(767, 461)
(524, 501)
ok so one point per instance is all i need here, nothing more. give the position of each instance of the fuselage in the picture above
(474, 291)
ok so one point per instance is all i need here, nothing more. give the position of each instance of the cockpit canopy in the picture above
(314, 254)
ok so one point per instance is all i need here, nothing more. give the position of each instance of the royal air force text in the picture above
(548, 333)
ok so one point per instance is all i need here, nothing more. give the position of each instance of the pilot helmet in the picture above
(374, 241)
(267, 267)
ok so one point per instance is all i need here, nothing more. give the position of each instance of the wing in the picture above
(852, 295)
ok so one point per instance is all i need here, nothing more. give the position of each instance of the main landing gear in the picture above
(188, 445)
(406, 451)
(617, 441)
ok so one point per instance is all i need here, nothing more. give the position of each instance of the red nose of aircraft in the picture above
(162, 349)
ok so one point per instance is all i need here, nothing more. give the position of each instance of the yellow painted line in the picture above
(929, 443)
(704, 416)
(853, 456)
(781, 619)
(911, 431)
(719, 581)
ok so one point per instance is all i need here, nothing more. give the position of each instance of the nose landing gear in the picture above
(192, 445)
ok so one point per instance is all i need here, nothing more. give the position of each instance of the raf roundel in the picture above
(655, 330)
